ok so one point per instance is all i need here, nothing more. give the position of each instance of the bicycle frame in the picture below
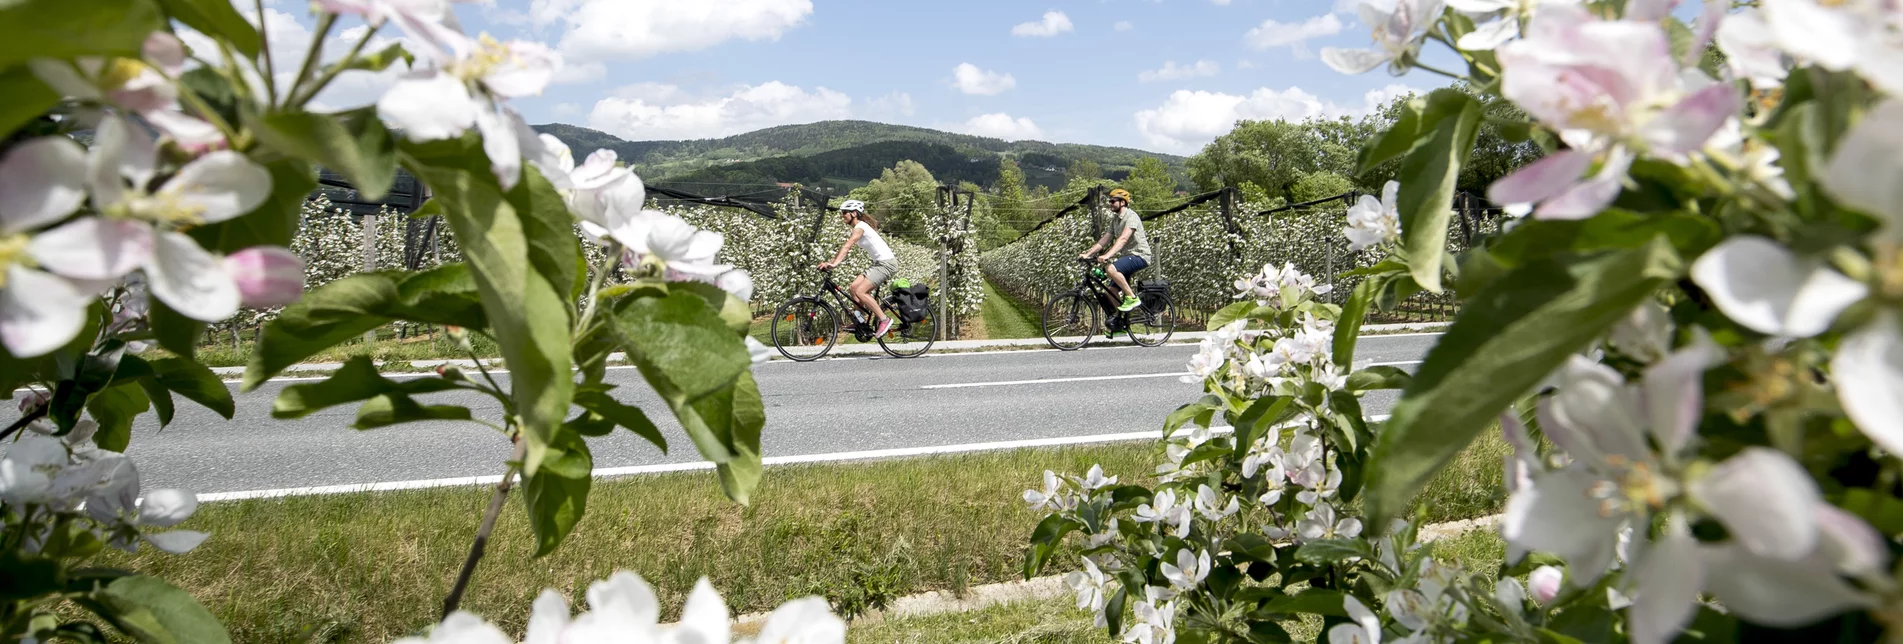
(1101, 289)
(861, 329)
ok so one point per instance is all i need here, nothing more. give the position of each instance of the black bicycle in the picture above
(805, 328)
(1072, 318)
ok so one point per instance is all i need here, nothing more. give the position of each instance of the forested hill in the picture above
(849, 153)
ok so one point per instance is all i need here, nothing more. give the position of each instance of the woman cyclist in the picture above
(865, 232)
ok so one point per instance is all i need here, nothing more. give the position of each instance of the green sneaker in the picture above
(1129, 303)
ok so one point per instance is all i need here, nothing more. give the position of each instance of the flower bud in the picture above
(267, 276)
(1543, 584)
(32, 402)
(451, 373)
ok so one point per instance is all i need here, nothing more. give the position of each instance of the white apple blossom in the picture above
(462, 88)
(1754, 158)
(1502, 20)
(1645, 334)
(1868, 373)
(623, 608)
(1209, 359)
(266, 276)
(1372, 222)
(136, 85)
(1544, 582)
(758, 352)
(1322, 523)
(1364, 629)
(1751, 49)
(1765, 287)
(376, 12)
(1163, 510)
(1089, 586)
(1862, 173)
(1399, 27)
(1209, 504)
(1189, 571)
(1049, 498)
(41, 182)
(1095, 480)
(1155, 621)
(1838, 35)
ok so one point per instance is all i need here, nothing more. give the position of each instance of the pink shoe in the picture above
(884, 326)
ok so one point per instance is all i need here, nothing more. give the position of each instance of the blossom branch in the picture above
(324, 24)
(270, 66)
(481, 543)
(330, 73)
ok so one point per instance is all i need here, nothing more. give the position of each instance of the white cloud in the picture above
(1220, 3)
(1272, 34)
(1053, 23)
(1123, 25)
(622, 30)
(971, 80)
(651, 93)
(567, 110)
(1245, 64)
(1172, 71)
(896, 103)
(571, 73)
(1002, 126)
(1188, 120)
(1347, 7)
(750, 108)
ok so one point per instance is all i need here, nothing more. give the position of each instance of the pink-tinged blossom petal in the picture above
(1751, 50)
(1765, 287)
(1675, 394)
(1592, 196)
(429, 106)
(1685, 127)
(1668, 581)
(166, 51)
(41, 181)
(191, 133)
(1558, 514)
(1541, 180)
(1710, 20)
(500, 144)
(1352, 61)
(1765, 500)
(39, 312)
(220, 186)
(1862, 173)
(1543, 583)
(93, 248)
(1868, 373)
(1594, 403)
(190, 280)
(1851, 543)
(267, 276)
(1778, 592)
(121, 151)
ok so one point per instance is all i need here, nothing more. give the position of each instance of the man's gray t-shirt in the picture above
(1139, 244)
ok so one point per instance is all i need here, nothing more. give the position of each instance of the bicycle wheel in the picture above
(1069, 320)
(910, 340)
(805, 328)
(1152, 323)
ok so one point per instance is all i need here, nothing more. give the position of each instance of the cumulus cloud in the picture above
(1053, 23)
(1172, 71)
(290, 39)
(1123, 25)
(621, 30)
(1347, 7)
(1189, 119)
(750, 108)
(1002, 126)
(894, 104)
(968, 78)
(1295, 35)
(573, 73)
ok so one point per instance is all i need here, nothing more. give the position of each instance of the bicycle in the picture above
(806, 327)
(1077, 313)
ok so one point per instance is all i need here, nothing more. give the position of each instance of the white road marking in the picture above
(1393, 364)
(834, 457)
(1006, 383)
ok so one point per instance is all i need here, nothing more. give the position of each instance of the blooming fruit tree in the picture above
(154, 164)
(1689, 337)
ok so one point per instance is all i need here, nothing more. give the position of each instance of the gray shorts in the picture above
(881, 272)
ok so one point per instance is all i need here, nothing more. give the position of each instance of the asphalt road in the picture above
(828, 406)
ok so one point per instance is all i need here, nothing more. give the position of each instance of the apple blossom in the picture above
(1089, 586)
(266, 276)
(462, 89)
(1861, 35)
(1189, 571)
(1765, 287)
(1751, 50)
(1399, 27)
(41, 182)
(1365, 627)
(1862, 172)
(1163, 510)
(1372, 222)
(1544, 582)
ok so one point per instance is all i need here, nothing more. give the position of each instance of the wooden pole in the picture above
(369, 262)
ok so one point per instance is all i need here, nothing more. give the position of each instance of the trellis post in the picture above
(1229, 222)
(370, 261)
(944, 264)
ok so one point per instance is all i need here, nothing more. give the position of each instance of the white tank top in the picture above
(873, 244)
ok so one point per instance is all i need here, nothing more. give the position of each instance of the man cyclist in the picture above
(865, 233)
(1128, 231)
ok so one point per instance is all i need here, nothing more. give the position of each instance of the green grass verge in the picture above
(387, 349)
(1006, 317)
(372, 567)
(1056, 621)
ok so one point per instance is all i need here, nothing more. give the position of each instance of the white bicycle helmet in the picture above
(854, 205)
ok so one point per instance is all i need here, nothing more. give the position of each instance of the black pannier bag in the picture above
(913, 302)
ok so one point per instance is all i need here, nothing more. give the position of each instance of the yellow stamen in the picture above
(119, 72)
(12, 251)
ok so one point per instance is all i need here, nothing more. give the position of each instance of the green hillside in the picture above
(845, 154)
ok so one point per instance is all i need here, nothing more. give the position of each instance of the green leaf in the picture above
(510, 255)
(1373, 378)
(732, 310)
(558, 493)
(1537, 239)
(1883, 511)
(343, 310)
(356, 380)
(153, 611)
(1324, 552)
(597, 401)
(214, 89)
(1397, 140)
(1428, 177)
(394, 409)
(680, 343)
(379, 61)
(175, 332)
(160, 397)
(1230, 313)
(27, 99)
(196, 383)
(94, 373)
(1262, 412)
(353, 143)
(218, 19)
(274, 222)
(115, 409)
(549, 229)
(1044, 540)
(1204, 408)
(1354, 312)
(1505, 341)
(67, 30)
(725, 427)
(1313, 601)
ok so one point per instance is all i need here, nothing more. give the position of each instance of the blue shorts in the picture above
(1130, 264)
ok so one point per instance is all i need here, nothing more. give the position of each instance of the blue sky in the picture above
(1164, 75)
